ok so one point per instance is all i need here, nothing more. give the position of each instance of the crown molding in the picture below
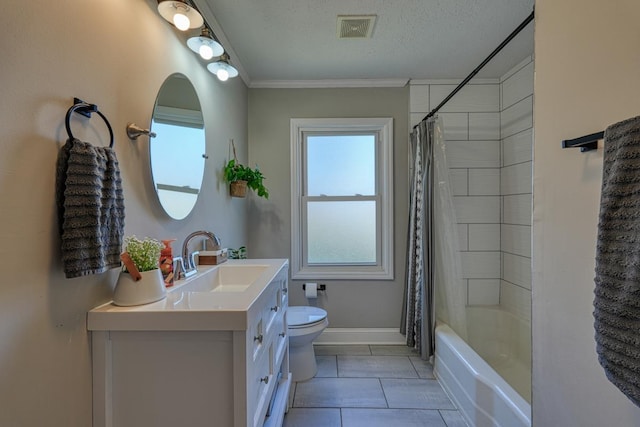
(329, 83)
(453, 81)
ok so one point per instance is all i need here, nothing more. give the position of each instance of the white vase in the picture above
(149, 289)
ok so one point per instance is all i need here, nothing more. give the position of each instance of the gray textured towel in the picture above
(617, 291)
(90, 208)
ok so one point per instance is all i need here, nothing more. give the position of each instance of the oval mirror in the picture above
(178, 151)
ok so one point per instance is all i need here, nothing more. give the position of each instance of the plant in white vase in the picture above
(141, 281)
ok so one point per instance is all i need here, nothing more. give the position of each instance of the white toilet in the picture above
(304, 326)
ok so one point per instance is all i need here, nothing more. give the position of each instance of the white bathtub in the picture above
(483, 397)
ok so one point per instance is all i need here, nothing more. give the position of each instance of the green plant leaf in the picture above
(238, 172)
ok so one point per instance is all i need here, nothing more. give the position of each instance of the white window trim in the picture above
(384, 271)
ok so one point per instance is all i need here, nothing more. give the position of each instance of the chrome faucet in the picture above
(188, 258)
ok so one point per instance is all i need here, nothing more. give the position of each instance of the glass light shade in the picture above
(180, 14)
(205, 45)
(222, 69)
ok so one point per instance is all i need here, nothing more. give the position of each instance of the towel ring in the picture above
(86, 109)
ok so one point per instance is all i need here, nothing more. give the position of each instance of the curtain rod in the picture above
(479, 67)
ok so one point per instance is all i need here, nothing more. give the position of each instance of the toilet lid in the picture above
(304, 316)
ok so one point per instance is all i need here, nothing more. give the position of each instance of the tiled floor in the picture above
(371, 386)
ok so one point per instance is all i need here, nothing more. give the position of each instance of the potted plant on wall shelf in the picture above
(140, 281)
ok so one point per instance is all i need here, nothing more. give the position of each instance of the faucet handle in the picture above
(178, 267)
(191, 262)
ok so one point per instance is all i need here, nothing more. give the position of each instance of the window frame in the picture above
(384, 268)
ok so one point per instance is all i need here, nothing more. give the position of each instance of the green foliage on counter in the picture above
(240, 253)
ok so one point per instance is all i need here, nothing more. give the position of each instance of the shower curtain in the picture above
(433, 270)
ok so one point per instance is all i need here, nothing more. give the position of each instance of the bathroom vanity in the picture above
(213, 353)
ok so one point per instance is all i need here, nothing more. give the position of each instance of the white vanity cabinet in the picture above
(195, 359)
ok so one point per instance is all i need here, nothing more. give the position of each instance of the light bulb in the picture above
(181, 21)
(205, 51)
(223, 75)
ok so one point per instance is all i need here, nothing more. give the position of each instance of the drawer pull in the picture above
(274, 308)
(282, 334)
(258, 338)
(265, 379)
(285, 290)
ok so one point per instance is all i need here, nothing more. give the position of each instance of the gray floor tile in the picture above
(332, 350)
(392, 350)
(339, 392)
(313, 417)
(415, 393)
(376, 395)
(375, 366)
(327, 367)
(453, 419)
(391, 418)
(424, 368)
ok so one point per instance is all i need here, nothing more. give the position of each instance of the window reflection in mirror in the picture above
(178, 151)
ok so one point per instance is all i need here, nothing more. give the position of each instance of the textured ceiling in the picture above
(275, 40)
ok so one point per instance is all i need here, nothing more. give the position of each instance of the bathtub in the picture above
(482, 395)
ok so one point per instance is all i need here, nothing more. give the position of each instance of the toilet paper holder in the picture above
(321, 287)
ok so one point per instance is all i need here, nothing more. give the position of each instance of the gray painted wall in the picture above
(585, 80)
(350, 304)
(115, 54)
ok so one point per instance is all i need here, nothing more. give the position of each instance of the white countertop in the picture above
(187, 310)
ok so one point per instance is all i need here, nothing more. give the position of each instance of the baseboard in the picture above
(388, 336)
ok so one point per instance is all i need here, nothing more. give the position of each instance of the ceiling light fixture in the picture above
(222, 69)
(184, 15)
(205, 45)
(180, 14)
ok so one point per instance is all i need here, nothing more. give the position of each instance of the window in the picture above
(341, 199)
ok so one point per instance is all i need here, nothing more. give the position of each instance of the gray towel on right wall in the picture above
(617, 291)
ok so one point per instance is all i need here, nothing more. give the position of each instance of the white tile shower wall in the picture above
(516, 239)
(516, 270)
(517, 118)
(488, 129)
(517, 299)
(484, 237)
(472, 131)
(516, 179)
(484, 126)
(518, 85)
(517, 209)
(516, 101)
(484, 182)
(484, 291)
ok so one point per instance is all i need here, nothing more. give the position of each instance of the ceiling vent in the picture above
(355, 26)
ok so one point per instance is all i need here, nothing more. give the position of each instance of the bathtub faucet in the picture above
(188, 258)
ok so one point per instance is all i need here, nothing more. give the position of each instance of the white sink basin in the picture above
(226, 278)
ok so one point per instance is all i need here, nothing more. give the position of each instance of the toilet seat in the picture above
(305, 317)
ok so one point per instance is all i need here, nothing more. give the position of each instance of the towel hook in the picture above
(84, 108)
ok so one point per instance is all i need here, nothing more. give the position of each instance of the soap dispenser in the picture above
(166, 262)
